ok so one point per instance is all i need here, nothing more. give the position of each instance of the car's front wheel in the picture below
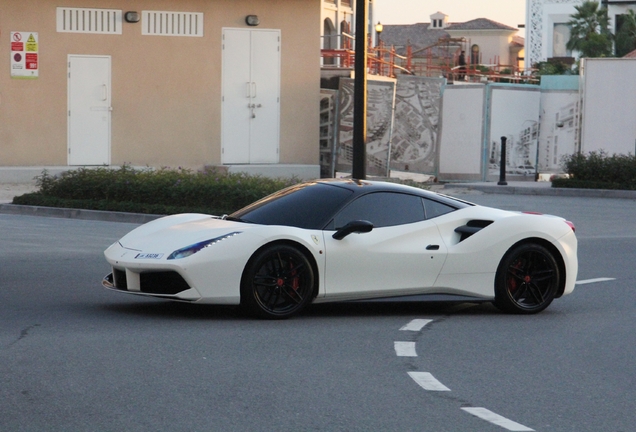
(527, 279)
(277, 282)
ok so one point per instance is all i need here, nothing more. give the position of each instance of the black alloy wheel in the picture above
(277, 282)
(527, 279)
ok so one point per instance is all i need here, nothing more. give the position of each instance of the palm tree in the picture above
(589, 31)
(626, 33)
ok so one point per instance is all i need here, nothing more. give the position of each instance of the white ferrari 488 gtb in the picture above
(342, 240)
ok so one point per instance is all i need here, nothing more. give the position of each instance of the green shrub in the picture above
(162, 191)
(599, 170)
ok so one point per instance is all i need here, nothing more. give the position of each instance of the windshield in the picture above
(307, 205)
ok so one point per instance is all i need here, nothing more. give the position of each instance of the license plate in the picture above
(149, 256)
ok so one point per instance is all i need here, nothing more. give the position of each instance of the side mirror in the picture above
(359, 226)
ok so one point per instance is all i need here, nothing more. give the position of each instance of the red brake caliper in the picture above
(512, 283)
(295, 281)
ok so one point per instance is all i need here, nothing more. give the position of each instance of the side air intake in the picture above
(471, 228)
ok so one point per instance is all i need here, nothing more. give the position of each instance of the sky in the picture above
(509, 12)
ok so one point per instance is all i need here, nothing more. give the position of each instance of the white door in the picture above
(404, 258)
(251, 96)
(89, 110)
(402, 255)
(265, 96)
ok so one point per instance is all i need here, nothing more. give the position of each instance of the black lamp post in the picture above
(359, 166)
(378, 31)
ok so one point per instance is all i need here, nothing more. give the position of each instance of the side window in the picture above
(382, 209)
(434, 208)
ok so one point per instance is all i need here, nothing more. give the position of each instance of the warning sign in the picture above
(24, 55)
(31, 44)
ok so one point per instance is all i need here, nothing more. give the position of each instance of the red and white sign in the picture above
(31, 61)
(24, 55)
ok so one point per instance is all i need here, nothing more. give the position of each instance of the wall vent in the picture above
(158, 23)
(83, 20)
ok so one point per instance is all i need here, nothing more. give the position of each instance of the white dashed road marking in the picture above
(416, 325)
(405, 349)
(428, 381)
(493, 418)
(589, 281)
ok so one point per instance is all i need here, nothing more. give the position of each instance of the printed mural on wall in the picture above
(417, 107)
(404, 126)
(409, 137)
(514, 114)
(380, 100)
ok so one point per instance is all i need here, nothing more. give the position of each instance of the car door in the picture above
(402, 255)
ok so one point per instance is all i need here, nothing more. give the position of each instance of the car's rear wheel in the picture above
(277, 282)
(527, 279)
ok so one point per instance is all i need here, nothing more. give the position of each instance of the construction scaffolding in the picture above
(437, 60)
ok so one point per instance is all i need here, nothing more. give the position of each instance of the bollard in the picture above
(502, 163)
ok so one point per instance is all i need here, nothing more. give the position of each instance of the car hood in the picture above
(174, 232)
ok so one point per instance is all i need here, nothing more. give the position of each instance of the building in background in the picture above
(183, 83)
(547, 32)
(438, 43)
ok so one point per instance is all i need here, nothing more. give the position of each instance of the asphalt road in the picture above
(75, 357)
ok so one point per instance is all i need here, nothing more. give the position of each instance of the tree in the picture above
(625, 38)
(589, 31)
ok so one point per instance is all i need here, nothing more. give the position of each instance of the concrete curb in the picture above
(105, 216)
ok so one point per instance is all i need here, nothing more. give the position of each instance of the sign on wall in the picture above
(24, 55)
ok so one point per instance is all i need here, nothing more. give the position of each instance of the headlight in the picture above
(192, 249)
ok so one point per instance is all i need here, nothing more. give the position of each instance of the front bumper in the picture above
(163, 284)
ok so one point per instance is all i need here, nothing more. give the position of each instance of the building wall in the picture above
(494, 46)
(166, 91)
(501, 48)
(336, 11)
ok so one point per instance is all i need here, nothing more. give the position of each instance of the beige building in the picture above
(161, 83)
(489, 42)
(440, 42)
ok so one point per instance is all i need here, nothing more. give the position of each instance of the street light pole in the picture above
(378, 32)
(378, 44)
(360, 94)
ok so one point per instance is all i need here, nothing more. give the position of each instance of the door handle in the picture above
(104, 92)
(432, 247)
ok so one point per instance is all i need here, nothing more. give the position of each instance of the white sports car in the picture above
(338, 240)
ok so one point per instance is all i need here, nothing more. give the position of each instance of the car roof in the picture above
(362, 187)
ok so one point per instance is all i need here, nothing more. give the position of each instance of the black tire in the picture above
(277, 282)
(527, 279)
